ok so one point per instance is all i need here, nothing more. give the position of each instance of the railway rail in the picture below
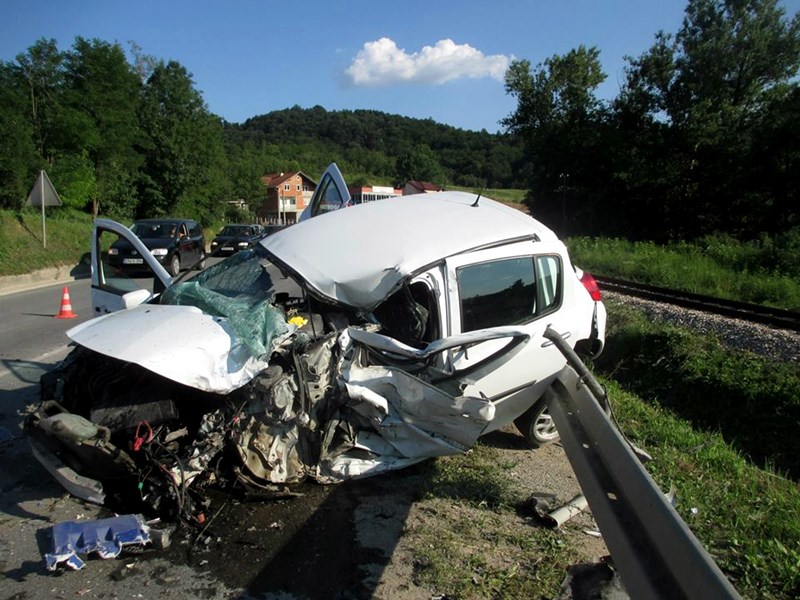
(773, 317)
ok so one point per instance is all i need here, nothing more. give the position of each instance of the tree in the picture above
(103, 97)
(41, 72)
(73, 175)
(697, 101)
(18, 157)
(184, 155)
(562, 124)
(418, 164)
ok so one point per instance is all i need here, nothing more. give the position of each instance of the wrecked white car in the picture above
(355, 342)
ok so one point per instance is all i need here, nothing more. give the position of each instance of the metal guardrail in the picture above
(654, 550)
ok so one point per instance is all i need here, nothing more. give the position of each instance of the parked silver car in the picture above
(352, 343)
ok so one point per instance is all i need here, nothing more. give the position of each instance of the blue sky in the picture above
(439, 59)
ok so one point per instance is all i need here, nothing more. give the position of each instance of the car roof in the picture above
(360, 254)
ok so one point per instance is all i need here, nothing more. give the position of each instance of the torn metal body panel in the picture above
(333, 349)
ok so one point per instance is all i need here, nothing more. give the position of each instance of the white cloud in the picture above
(382, 63)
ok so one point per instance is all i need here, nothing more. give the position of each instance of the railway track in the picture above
(773, 317)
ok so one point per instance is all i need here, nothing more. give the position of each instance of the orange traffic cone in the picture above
(66, 307)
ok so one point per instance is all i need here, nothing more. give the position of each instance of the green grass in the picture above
(501, 195)
(752, 401)
(747, 518)
(21, 247)
(723, 428)
(470, 541)
(719, 267)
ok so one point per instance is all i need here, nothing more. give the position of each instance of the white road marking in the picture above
(41, 358)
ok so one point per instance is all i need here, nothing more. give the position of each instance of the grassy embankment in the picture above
(510, 196)
(68, 238)
(21, 248)
(722, 428)
(767, 272)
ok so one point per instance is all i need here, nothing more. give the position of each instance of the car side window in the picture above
(111, 277)
(508, 291)
(329, 199)
(548, 270)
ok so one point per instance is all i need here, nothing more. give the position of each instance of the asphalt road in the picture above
(302, 548)
(32, 341)
(28, 329)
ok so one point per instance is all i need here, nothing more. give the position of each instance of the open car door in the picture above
(331, 194)
(113, 290)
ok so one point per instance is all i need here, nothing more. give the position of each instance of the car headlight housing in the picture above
(159, 251)
(214, 244)
(243, 244)
(113, 251)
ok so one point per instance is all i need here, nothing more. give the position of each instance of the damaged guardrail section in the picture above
(655, 552)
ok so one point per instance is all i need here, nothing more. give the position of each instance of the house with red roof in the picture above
(421, 187)
(287, 195)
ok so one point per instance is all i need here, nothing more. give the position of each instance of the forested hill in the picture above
(369, 144)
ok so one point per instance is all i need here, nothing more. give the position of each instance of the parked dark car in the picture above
(176, 243)
(235, 237)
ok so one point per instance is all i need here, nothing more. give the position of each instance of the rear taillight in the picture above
(591, 286)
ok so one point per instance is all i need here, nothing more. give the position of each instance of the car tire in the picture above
(201, 264)
(537, 426)
(174, 265)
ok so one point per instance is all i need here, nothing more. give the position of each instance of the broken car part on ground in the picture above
(352, 343)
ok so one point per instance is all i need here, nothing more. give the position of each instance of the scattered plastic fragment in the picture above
(561, 515)
(593, 532)
(106, 537)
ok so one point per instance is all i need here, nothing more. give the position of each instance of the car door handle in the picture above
(564, 335)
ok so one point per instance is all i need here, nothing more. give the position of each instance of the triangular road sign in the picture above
(43, 192)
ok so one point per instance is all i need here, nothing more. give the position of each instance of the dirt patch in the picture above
(487, 538)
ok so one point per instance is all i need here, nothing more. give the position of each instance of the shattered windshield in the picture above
(242, 290)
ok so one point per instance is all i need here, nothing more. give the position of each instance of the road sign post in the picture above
(43, 194)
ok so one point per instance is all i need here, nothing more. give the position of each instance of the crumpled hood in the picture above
(180, 343)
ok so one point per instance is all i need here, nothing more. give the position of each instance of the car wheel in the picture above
(175, 265)
(201, 264)
(537, 426)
